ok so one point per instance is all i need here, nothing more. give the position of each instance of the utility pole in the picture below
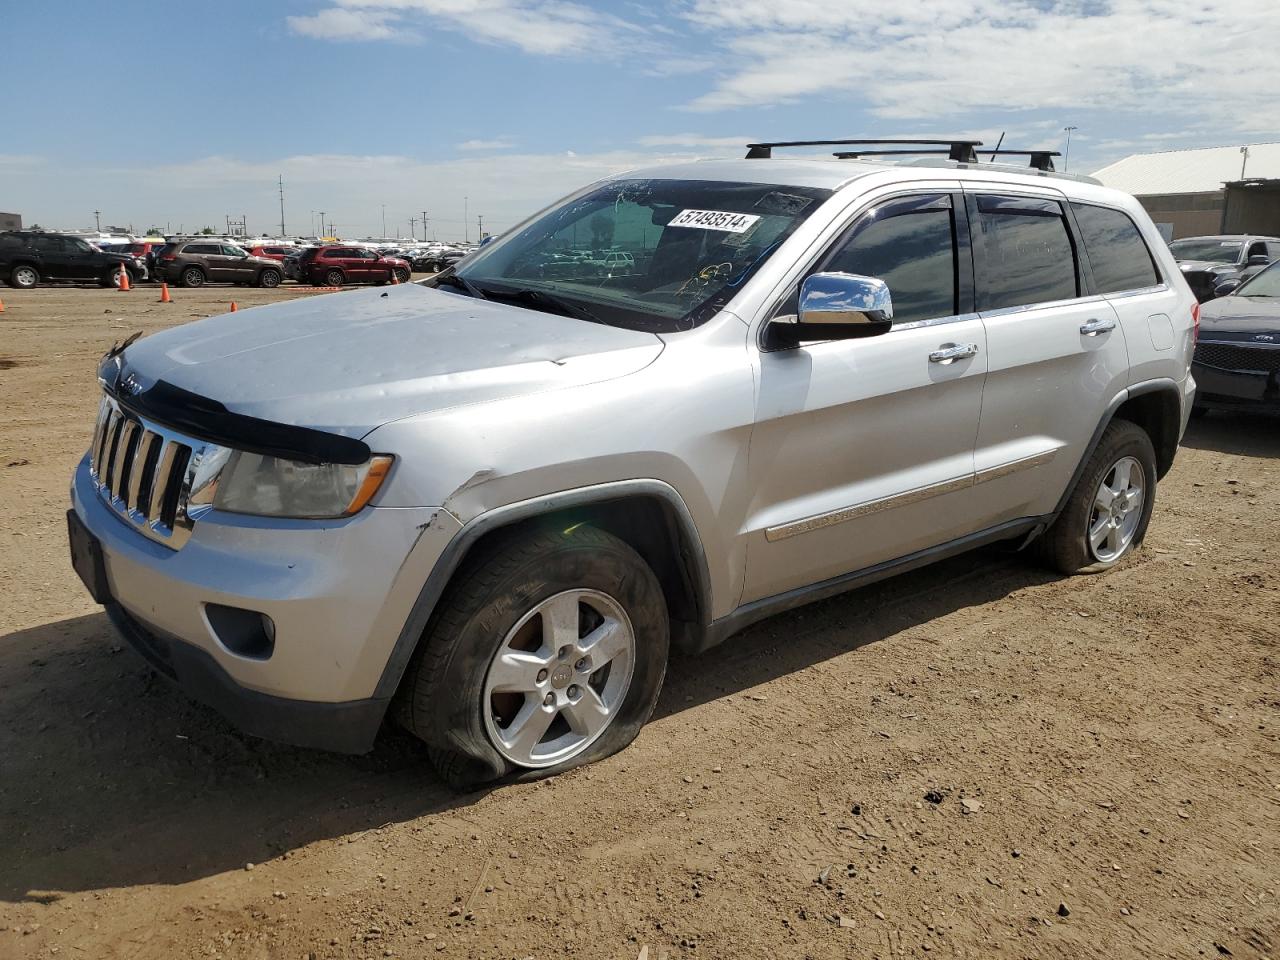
(424, 225)
(322, 233)
(1244, 160)
(97, 220)
(412, 221)
(466, 226)
(282, 206)
(480, 221)
(1066, 156)
(384, 221)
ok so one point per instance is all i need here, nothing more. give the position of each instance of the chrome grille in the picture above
(147, 473)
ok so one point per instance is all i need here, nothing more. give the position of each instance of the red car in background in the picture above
(335, 265)
(273, 253)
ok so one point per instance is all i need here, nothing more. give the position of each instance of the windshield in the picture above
(1264, 284)
(654, 255)
(1214, 251)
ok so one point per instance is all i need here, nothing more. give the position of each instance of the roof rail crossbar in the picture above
(959, 150)
(855, 154)
(1040, 159)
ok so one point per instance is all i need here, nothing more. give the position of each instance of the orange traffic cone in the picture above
(1, 306)
(234, 308)
(395, 277)
(164, 294)
(124, 279)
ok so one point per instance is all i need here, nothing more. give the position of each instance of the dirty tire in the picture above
(441, 698)
(192, 277)
(24, 277)
(1064, 546)
(334, 278)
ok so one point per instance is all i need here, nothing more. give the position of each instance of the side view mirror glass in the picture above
(1225, 288)
(1259, 260)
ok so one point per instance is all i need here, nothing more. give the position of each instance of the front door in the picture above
(238, 265)
(55, 255)
(862, 450)
(1056, 353)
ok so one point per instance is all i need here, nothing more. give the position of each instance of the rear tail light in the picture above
(1195, 323)
(169, 256)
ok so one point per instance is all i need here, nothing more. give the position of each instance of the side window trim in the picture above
(946, 198)
(1036, 205)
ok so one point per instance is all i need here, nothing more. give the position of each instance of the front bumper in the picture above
(1236, 389)
(338, 594)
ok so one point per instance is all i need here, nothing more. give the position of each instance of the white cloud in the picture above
(497, 143)
(339, 24)
(544, 27)
(948, 58)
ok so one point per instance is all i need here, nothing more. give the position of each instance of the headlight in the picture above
(272, 487)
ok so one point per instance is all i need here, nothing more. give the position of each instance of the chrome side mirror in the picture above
(844, 298)
(836, 306)
(1226, 287)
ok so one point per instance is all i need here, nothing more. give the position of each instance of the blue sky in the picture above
(178, 114)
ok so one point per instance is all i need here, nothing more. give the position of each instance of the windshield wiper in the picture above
(546, 302)
(461, 283)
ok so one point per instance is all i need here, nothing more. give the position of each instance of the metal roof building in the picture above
(1186, 191)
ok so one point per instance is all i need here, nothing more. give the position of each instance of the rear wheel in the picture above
(1107, 514)
(545, 654)
(334, 278)
(193, 277)
(269, 278)
(24, 277)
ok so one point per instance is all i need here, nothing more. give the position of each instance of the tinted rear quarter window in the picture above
(1118, 256)
(10, 241)
(1028, 256)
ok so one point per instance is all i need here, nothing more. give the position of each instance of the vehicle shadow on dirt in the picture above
(1240, 434)
(113, 778)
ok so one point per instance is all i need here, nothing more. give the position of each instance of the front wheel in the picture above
(402, 275)
(1107, 513)
(545, 654)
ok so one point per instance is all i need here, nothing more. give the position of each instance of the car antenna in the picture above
(997, 149)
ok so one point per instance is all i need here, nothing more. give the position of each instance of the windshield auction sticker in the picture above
(714, 220)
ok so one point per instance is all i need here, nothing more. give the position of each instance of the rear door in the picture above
(54, 254)
(1056, 353)
(208, 256)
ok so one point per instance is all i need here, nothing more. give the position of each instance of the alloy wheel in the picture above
(1117, 510)
(559, 678)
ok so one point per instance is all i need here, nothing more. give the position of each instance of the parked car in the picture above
(193, 263)
(486, 504)
(1237, 360)
(28, 257)
(273, 252)
(144, 250)
(337, 265)
(1209, 263)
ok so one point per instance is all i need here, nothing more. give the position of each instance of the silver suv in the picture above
(488, 504)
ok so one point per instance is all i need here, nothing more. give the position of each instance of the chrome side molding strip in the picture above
(808, 524)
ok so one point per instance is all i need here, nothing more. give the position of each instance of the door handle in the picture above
(951, 352)
(1091, 328)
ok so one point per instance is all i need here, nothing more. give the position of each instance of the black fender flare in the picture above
(691, 550)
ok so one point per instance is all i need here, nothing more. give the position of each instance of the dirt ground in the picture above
(979, 759)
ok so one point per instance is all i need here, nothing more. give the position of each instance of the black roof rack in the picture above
(1040, 159)
(960, 150)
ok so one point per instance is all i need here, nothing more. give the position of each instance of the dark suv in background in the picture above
(336, 265)
(1211, 263)
(195, 262)
(29, 256)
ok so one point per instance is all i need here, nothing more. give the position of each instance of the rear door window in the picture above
(50, 244)
(1027, 256)
(202, 248)
(1118, 256)
(10, 241)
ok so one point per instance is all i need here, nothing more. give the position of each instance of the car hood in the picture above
(349, 362)
(1210, 266)
(1240, 318)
